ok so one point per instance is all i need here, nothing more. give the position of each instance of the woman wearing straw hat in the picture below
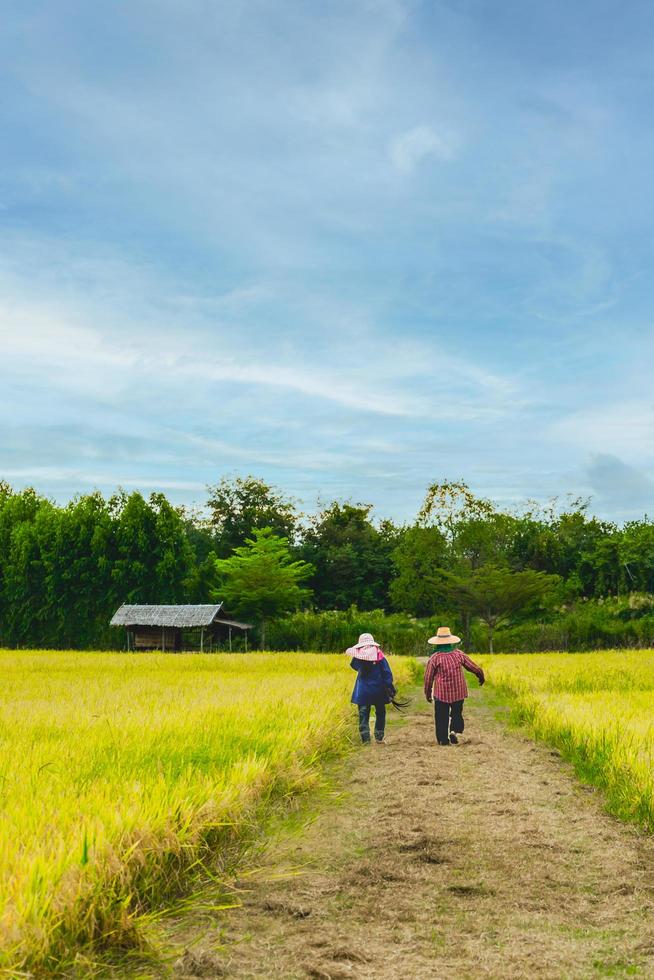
(373, 686)
(445, 683)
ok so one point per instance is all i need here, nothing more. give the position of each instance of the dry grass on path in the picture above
(480, 860)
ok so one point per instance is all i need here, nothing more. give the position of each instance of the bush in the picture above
(622, 622)
(335, 630)
(627, 621)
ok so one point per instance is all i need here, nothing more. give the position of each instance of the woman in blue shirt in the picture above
(373, 686)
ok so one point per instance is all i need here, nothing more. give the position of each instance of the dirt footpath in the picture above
(485, 859)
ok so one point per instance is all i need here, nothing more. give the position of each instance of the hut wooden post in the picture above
(230, 639)
(202, 640)
(163, 639)
(246, 641)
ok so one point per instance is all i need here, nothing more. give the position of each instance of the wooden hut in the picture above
(163, 627)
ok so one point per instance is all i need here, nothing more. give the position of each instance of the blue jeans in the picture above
(364, 721)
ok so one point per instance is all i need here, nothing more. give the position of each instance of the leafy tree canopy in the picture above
(495, 594)
(240, 505)
(449, 503)
(351, 557)
(418, 561)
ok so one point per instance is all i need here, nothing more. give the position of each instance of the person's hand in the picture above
(428, 700)
(481, 683)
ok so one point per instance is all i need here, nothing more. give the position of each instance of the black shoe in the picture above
(453, 739)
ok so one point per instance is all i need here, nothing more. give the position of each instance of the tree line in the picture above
(65, 569)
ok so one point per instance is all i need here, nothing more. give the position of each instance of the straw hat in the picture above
(366, 649)
(366, 640)
(443, 636)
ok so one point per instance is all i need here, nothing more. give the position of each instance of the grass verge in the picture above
(597, 710)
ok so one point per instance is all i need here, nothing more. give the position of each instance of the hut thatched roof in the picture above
(181, 616)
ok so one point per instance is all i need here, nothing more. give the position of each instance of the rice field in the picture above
(597, 709)
(120, 774)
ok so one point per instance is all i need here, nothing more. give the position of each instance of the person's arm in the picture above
(355, 663)
(473, 668)
(387, 675)
(430, 673)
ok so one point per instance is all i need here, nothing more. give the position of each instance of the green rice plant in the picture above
(597, 709)
(120, 774)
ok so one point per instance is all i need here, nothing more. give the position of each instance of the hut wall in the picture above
(156, 637)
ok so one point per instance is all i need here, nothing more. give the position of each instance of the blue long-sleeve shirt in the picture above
(374, 683)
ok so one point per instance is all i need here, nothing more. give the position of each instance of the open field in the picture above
(598, 710)
(122, 773)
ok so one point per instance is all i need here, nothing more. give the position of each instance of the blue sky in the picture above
(352, 247)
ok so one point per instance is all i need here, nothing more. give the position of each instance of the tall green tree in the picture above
(449, 503)
(17, 512)
(151, 559)
(202, 540)
(28, 607)
(261, 581)
(601, 569)
(495, 594)
(418, 561)
(238, 506)
(78, 579)
(579, 537)
(173, 555)
(637, 555)
(351, 557)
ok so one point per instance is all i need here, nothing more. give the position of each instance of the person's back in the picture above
(449, 679)
(445, 684)
(373, 686)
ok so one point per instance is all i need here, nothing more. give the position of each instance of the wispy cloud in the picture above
(408, 150)
(619, 427)
(83, 478)
(364, 373)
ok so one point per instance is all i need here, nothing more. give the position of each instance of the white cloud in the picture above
(620, 428)
(408, 150)
(59, 474)
(357, 369)
(83, 360)
(307, 458)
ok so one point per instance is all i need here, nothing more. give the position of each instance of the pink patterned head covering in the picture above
(366, 649)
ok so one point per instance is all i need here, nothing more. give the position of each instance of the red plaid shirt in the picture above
(444, 678)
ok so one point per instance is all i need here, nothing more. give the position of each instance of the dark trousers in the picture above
(364, 721)
(448, 717)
